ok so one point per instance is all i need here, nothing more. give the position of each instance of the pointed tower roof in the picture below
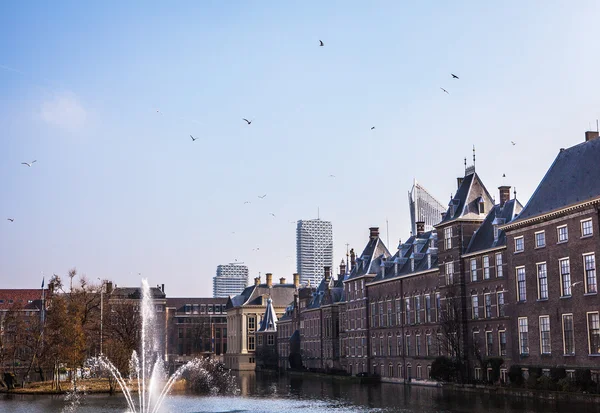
(269, 322)
(465, 204)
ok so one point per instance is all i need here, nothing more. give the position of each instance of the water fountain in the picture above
(147, 373)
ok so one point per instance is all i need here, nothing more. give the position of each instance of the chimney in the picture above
(282, 280)
(109, 287)
(162, 288)
(342, 268)
(256, 280)
(459, 181)
(269, 280)
(504, 194)
(327, 273)
(420, 227)
(352, 259)
(374, 232)
(443, 215)
(591, 135)
(297, 279)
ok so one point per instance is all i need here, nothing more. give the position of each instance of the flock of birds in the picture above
(28, 164)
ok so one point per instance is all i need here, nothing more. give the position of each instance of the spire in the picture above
(269, 322)
(473, 157)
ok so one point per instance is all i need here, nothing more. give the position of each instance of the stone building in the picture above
(266, 340)
(244, 313)
(552, 251)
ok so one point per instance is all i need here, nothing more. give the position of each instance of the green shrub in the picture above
(558, 373)
(495, 363)
(443, 369)
(565, 384)
(515, 375)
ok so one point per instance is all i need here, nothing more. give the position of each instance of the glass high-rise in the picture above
(314, 249)
(423, 208)
(231, 279)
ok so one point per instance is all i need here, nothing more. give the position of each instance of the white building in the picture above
(314, 249)
(423, 208)
(231, 279)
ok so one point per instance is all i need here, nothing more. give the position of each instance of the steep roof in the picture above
(368, 262)
(465, 203)
(483, 238)
(282, 294)
(179, 303)
(573, 178)
(269, 322)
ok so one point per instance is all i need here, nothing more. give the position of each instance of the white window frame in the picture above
(473, 266)
(500, 343)
(585, 273)
(561, 275)
(587, 322)
(526, 325)
(522, 239)
(572, 333)
(543, 233)
(485, 263)
(475, 307)
(499, 269)
(519, 298)
(549, 344)
(448, 238)
(585, 221)
(558, 228)
(450, 274)
(498, 305)
(539, 280)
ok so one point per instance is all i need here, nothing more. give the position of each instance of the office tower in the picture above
(423, 208)
(231, 279)
(314, 249)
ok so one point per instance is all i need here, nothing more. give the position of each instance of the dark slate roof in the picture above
(136, 293)
(464, 204)
(416, 248)
(573, 177)
(280, 293)
(269, 322)
(179, 303)
(289, 312)
(368, 262)
(483, 238)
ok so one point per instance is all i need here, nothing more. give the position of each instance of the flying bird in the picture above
(247, 121)
(262, 196)
(11, 219)
(575, 283)
(445, 90)
(454, 76)
(247, 202)
(292, 222)
(332, 176)
(372, 127)
(28, 163)
(255, 249)
(513, 143)
(273, 215)
(193, 139)
(321, 43)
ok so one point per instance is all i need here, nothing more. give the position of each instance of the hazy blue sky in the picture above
(119, 189)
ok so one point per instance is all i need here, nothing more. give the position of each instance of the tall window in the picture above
(473, 270)
(565, 276)
(521, 286)
(398, 344)
(438, 305)
(542, 281)
(486, 267)
(586, 228)
(390, 316)
(399, 310)
(475, 306)
(418, 309)
(589, 263)
(545, 347)
(594, 332)
(417, 345)
(428, 308)
(568, 334)
(523, 336)
(448, 238)
(499, 272)
(374, 318)
(449, 273)
(251, 323)
(407, 310)
(563, 233)
(489, 343)
(382, 318)
(407, 341)
(488, 305)
(502, 342)
(250, 342)
(519, 244)
(540, 239)
(429, 345)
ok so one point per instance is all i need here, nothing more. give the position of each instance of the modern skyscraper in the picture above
(314, 249)
(423, 207)
(231, 279)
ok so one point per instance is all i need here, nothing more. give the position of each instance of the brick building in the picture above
(552, 248)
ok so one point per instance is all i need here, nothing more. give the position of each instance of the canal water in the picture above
(272, 393)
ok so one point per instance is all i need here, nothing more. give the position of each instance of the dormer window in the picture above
(481, 205)
(428, 261)
(412, 264)
(496, 232)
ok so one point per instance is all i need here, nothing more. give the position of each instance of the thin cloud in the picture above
(64, 111)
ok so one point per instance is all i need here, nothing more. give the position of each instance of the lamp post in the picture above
(101, 310)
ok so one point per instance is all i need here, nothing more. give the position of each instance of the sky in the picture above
(104, 96)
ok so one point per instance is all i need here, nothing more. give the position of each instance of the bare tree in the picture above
(452, 337)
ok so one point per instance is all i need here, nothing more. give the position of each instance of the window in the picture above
(407, 310)
(428, 308)
(180, 333)
(374, 318)
(473, 270)
(568, 334)
(270, 340)
(540, 239)
(586, 228)
(489, 343)
(398, 344)
(475, 306)
(449, 273)
(488, 305)
(589, 265)
(419, 370)
(399, 311)
(502, 342)
(259, 339)
(495, 232)
(438, 305)
(523, 336)
(418, 345)
(390, 317)
(563, 233)
(210, 309)
(390, 370)
(594, 332)
(565, 277)
(251, 323)
(521, 287)
(195, 309)
(428, 345)
(250, 342)
(499, 265)
(519, 244)
(545, 347)
(382, 318)
(448, 238)
(486, 267)
(542, 281)
(418, 309)
(407, 341)
(188, 308)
